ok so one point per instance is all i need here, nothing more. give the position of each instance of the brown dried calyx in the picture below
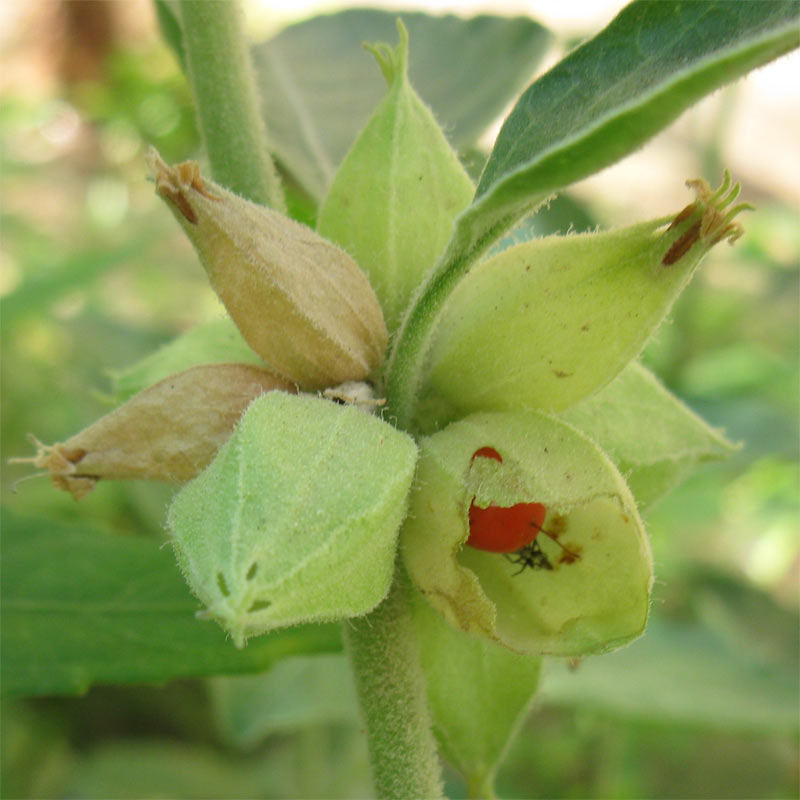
(169, 432)
(300, 301)
(712, 215)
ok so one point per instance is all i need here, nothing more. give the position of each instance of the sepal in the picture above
(478, 692)
(653, 438)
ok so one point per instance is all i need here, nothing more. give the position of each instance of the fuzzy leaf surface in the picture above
(652, 437)
(611, 94)
(285, 529)
(81, 606)
(320, 88)
(478, 692)
(394, 199)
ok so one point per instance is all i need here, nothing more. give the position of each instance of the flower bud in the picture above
(300, 302)
(168, 432)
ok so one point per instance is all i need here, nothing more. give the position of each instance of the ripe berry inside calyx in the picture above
(499, 529)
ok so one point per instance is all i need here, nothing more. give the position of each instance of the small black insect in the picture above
(531, 556)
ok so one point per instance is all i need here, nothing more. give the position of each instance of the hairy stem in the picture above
(403, 370)
(221, 74)
(391, 689)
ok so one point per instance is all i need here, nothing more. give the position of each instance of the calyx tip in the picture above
(712, 215)
(173, 183)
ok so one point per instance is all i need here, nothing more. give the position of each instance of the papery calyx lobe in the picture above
(168, 432)
(300, 301)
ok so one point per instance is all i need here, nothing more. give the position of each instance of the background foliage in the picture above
(95, 275)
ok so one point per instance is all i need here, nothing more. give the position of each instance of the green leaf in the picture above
(320, 90)
(47, 284)
(653, 438)
(295, 693)
(478, 692)
(137, 768)
(681, 673)
(215, 342)
(610, 95)
(285, 529)
(548, 322)
(81, 606)
(595, 594)
(321, 762)
(394, 198)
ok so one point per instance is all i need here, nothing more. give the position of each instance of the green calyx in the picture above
(281, 530)
(543, 324)
(478, 692)
(651, 436)
(395, 197)
(596, 596)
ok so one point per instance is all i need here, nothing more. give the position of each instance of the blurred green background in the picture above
(94, 274)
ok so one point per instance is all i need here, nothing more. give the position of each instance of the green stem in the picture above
(405, 363)
(391, 688)
(221, 74)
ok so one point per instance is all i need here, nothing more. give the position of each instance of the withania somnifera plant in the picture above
(445, 443)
